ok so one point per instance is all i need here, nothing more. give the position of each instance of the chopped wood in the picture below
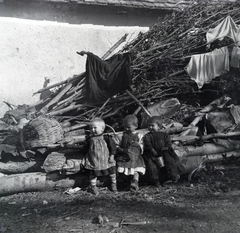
(138, 102)
(19, 167)
(214, 104)
(205, 149)
(189, 139)
(56, 98)
(30, 182)
(159, 58)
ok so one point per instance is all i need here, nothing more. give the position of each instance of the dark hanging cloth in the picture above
(105, 78)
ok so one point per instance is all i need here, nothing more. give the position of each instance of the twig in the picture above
(56, 98)
(100, 109)
(82, 75)
(139, 103)
(114, 47)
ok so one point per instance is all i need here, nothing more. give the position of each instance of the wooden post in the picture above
(56, 98)
(138, 102)
(100, 109)
(114, 47)
(82, 75)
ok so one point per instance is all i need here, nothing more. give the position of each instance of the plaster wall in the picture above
(32, 50)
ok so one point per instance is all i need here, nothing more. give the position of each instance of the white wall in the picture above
(31, 50)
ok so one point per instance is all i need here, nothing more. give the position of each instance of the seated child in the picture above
(101, 150)
(158, 153)
(129, 152)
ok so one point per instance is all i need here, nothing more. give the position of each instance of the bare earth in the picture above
(209, 203)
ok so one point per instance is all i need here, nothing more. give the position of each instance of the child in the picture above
(158, 153)
(129, 159)
(100, 156)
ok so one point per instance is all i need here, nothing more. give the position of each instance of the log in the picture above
(54, 162)
(56, 98)
(73, 166)
(102, 107)
(216, 103)
(8, 149)
(220, 121)
(193, 163)
(4, 126)
(29, 182)
(19, 167)
(190, 163)
(173, 130)
(138, 102)
(213, 158)
(206, 149)
(75, 127)
(163, 109)
(189, 139)
(82, 75)
(114, 47)
(67, 109)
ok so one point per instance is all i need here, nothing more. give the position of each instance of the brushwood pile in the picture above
(203, 122)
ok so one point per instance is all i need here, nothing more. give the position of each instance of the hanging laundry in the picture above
(235, 57)
(226, 28)
(203, 68)
(105, 78)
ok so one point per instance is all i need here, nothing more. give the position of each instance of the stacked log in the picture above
(67, 159)
(159, 57)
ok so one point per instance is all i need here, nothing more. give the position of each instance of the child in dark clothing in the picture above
(129, 152)
(101, 150)
(159, 154)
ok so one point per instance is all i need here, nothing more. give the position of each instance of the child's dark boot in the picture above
(94, 190)
(156, 183)
(176, 178)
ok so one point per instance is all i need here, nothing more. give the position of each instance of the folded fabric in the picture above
(235, 57)
(203, 68)
(226, 28)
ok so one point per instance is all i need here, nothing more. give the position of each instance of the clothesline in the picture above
(229, 46)
(203, 68)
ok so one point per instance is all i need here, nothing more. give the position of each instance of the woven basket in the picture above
(41, 132)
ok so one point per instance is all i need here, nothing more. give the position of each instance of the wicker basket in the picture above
(41, 132)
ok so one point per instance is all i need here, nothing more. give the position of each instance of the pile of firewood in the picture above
(51, 157)
(161, 54)
(159, 57)
(47, 136)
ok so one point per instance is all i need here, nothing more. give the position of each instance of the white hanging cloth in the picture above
(203, 68)
(226, 28)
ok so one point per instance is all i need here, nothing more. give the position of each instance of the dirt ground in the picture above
(210, 202)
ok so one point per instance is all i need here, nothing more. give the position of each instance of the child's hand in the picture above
(122, 150)
(111, 159)
(164, 149)
(154, 153)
